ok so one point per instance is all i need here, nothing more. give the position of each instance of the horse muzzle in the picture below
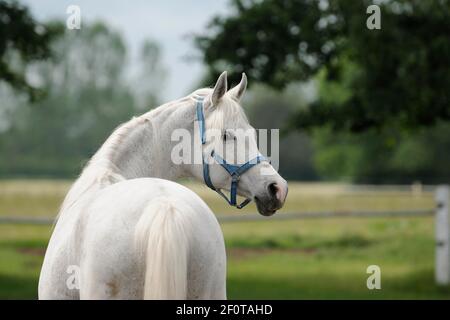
(273, 199)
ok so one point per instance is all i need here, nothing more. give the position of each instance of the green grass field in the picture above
(295, 259)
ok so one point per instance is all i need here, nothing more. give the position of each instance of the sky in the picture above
(168, 22)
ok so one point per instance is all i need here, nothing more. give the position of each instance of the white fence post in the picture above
(442, 268)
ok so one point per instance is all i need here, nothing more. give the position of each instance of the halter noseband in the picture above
(235, 171)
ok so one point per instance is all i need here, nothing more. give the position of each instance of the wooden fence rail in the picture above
(257, 217)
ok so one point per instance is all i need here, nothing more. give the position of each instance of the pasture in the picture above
(293, 259)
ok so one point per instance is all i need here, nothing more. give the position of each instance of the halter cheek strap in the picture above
(235, 171)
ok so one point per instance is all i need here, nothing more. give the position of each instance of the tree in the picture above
(22, 40)
(391, 155)
(269, 109)
(87, 98)
(152, 75)
(399, 74)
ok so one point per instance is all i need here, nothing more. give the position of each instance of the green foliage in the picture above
(401, 76)
(22, 41)
(388, 156)
(269, 109)
(87, 97)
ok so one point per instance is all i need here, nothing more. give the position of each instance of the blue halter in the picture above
(235, 171)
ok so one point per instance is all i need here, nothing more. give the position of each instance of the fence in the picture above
(441, 213)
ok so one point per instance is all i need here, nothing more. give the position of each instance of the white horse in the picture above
(125, 231)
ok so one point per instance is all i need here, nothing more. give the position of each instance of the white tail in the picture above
(162, 240)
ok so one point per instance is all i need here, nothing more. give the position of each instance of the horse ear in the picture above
(237, 92)
(220, 88)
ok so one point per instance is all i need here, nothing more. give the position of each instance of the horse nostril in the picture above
(273, 189)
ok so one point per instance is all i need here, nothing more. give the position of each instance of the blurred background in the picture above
(364, 119)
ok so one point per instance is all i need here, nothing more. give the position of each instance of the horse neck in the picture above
(139, 148)
(142, 147)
